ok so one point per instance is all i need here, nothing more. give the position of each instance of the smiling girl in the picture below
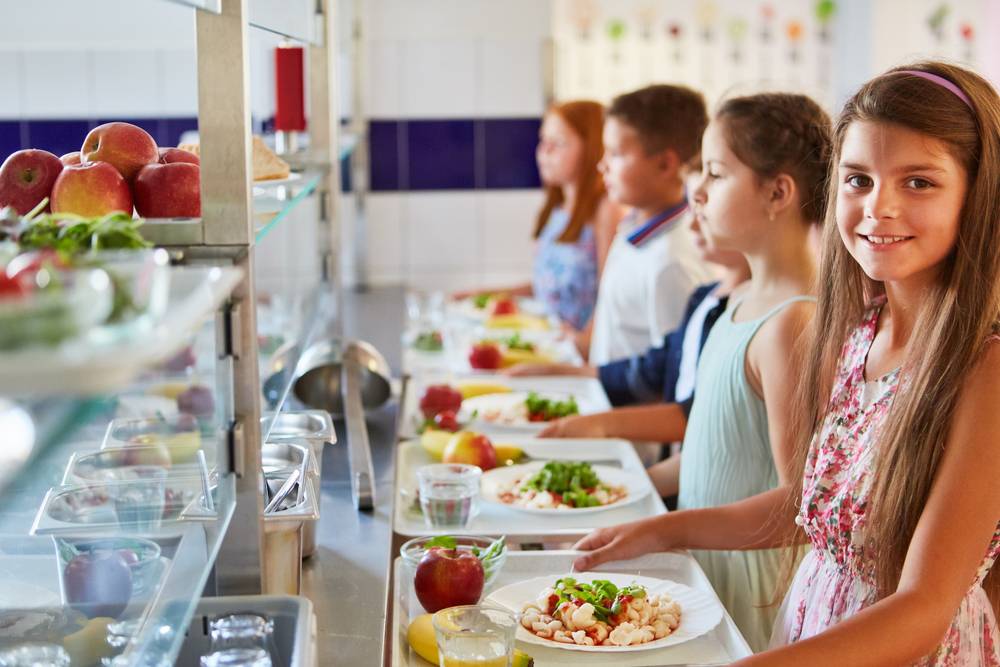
(897, 492)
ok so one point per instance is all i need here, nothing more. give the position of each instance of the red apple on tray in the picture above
(447, 420)
(91, 190)
(98, 584)
(447, 578)
(27, 177)
(472, 448)
(438, 398)
(168, 155)
(485, 356)
(70, 158)
(169, 190)
(127, 147)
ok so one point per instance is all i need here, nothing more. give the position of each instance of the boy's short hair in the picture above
(664, 116)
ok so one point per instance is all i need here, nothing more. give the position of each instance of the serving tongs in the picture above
(284, 491)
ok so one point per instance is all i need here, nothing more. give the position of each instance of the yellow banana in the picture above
(507, 454)
(471, 389)
(530, 322)
(420, 636)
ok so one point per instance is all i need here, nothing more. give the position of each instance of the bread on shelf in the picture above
(267, 166)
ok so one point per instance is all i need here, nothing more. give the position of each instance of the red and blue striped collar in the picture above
(661, 222)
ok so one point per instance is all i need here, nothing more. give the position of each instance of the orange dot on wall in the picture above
(794, 30)
(968, 32)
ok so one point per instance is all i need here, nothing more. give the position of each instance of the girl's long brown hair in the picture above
(956, 318)
(587, 120)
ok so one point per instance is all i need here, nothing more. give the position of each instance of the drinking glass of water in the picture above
(480, 635)
(449, 494)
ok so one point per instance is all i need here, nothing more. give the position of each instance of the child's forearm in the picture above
(665, 476)
(664, 422)
(758, 522)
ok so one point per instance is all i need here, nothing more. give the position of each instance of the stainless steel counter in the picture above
(347, 577)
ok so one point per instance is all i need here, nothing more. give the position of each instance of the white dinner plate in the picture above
(500, 411)
(467, 308)
(495, 481)
(700, 612)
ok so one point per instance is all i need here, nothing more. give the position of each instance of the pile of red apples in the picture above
(118, 167)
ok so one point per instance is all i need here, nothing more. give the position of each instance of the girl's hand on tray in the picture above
(629, 540)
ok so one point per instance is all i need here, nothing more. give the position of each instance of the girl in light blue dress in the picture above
(763, 186)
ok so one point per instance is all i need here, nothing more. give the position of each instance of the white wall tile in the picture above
(435, 19)
(126, 83)
(95, 24)
(383, 79)
(385, 233)
(510, 78)
(507, 222)
(58, 84)
(439, 78)
(12, 83)
(178, 82)
(442, 231)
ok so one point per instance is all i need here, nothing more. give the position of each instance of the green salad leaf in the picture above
(547, 409)
(74, 234)
(480, 301)
(606, 598)
(573, 480)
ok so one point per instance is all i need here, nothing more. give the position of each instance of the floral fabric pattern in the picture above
(565, 274)
(836, 579)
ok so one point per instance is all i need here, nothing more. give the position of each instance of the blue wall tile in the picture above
(10, 138)
(441, 154)
(175, 127)
(58, 136)
(509, 146)
(384, 155)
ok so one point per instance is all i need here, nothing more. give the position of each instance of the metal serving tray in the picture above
(721, 646)
(497, 520)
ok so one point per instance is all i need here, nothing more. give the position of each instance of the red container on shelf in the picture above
(289, 86)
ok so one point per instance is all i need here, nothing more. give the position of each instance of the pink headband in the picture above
(941, 81)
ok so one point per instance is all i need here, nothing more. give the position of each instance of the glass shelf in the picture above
(103, 565)
(214, 6)
(274, 202)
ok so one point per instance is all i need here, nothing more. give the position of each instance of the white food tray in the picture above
(588, 392)
(722, 645)
(495, 519)
(77, 367)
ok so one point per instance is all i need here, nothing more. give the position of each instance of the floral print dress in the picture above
(835, 580)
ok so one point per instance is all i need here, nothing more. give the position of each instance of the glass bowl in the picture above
(415, 549)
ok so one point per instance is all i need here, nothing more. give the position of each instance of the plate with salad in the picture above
(563, 487)
(604, 612)
(520, 410)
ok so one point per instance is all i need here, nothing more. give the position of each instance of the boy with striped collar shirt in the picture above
(649, 136)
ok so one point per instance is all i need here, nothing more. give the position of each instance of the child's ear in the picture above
(669, 161)
(783, 193)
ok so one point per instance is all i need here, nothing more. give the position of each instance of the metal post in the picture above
(324, 126)
(227, 214)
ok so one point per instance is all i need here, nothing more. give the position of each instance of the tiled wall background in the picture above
(453, 90)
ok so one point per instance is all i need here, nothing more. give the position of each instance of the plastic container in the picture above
(294, 627)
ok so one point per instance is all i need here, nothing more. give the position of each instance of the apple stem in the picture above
(35, 211)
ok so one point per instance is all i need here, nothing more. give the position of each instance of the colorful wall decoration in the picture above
(726, 47)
